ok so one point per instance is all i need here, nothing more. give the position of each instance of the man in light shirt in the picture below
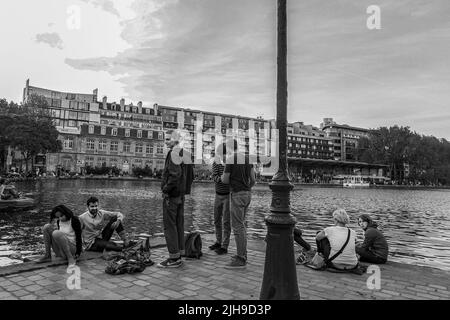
(98, 227)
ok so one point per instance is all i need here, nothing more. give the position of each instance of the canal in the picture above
(415, 222)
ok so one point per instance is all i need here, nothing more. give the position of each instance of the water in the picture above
(415, 222)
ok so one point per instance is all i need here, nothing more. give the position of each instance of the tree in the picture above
(28, 128)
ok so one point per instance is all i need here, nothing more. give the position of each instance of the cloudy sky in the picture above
(220, 55)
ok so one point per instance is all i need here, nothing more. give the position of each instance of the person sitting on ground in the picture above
(332, 239)
(7, 190)
(375, 247)
(63, 235)
(99, 226)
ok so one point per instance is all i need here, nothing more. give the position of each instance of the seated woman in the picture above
(64, 238)
(375, 247)
(332, 239)
(306, 253)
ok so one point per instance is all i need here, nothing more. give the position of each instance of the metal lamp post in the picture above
(280, 275)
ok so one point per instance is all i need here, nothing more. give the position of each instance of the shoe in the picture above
(236, 263)
(170, 263)
(44, 259)
(301, 258)
(221, 251)
(215, 246)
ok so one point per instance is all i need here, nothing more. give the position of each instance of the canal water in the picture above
(416, 223)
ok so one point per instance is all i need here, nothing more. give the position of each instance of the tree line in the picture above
(411, 157)
(28, 128)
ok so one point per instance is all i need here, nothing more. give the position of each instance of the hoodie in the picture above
(375, 242)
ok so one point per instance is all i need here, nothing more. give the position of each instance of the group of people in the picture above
(338, 243)
(8, 190)
(68, 234)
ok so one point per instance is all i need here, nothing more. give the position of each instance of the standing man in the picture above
(221, 204)
(176, 182)
(98, 227)
(241, 178)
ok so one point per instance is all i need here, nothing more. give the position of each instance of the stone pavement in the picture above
(207, 279)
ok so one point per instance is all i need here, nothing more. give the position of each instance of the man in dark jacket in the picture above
(176, 182)
(375, 247)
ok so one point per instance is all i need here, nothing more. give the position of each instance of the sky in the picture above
(220, 56)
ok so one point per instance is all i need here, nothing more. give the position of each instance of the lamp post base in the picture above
(280, 274)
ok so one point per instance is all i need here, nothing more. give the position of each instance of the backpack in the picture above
(193, 245)
(133, 259)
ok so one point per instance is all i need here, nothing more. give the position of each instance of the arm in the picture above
(252, 177)
(226, 174)
(216, 173)
(369, 238)
(321, 235)
(112, 214)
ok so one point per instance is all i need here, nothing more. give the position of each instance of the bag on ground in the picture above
(193, 245)
(131, 260)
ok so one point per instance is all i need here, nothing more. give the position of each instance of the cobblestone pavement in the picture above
(207, 279)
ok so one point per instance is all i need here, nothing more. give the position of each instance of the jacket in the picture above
(177, 178)
(375, 242)
(76, 226)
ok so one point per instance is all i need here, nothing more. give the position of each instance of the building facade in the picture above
(345, 138)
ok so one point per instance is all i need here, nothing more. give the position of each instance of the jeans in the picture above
(298, 238)
(173, 220)
(368, 256)
(222, 219)
(240, 201)
(57, 240)
(103, 243)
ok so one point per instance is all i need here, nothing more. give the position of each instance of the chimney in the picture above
(155, 108)
(95, 93)
(140, 107)
(105, 99)
(122, 103)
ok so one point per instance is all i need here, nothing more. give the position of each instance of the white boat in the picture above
(355, 182)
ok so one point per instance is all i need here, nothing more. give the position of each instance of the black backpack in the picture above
(193, 245)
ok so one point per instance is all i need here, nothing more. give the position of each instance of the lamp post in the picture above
(280, 275)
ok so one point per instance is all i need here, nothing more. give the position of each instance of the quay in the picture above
(207, 279)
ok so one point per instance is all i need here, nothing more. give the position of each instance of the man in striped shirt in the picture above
(221, 204)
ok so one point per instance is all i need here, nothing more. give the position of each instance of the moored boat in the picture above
(14, 204)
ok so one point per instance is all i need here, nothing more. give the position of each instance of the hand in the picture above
(114, 225)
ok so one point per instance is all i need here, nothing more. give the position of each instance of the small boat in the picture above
(19, 203)
(355, 182)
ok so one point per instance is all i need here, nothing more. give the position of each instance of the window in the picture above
(149, 149)
(102, 145)
(89, 161)
(160, 136)
(114, 146)
(103, 130)
(127, 133)
(113, 162)
(68, 143)
(72, 123)
(127, 147)
(91, 129)
(139, 134)
(114, 132)
(90, 144)
(139, 148)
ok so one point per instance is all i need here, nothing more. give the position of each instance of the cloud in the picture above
(52, 39)
(106, 5)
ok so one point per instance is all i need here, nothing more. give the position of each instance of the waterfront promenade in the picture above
(207, 279)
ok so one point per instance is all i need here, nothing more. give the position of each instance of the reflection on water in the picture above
(415, 222)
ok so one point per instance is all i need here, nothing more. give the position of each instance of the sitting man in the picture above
(99, 226)
(8, 191)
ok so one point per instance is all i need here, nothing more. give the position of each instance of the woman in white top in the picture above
(332, 239)
(64, 236)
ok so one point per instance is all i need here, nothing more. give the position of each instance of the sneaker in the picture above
(221, 251)
(170, 263)
(301, 258)
(215, 246)
(236, 263)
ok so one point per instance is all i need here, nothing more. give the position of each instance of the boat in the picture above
(17, 204)
(355, 182)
